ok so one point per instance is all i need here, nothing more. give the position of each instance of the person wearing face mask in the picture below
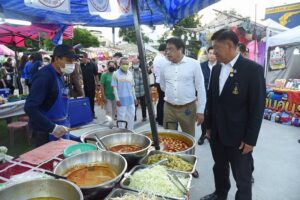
(123, 86)
(47, 103)
(139, 88)
(107, 90)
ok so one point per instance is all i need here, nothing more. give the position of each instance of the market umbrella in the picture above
(6, 51)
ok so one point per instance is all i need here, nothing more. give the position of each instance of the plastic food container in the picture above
(78, 148)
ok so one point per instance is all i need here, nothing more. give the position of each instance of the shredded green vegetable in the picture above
(155, 180)
(139, 196)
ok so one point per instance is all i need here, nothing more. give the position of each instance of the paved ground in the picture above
(276, 158)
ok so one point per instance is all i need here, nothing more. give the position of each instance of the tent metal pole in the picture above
(141, 50)
(113, 36)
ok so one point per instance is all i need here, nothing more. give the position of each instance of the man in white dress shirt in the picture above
(180, 78)
(158, 63)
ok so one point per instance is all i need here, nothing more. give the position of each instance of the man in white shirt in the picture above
(158, 63)
(180, 79)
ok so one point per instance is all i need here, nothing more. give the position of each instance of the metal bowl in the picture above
(117, 161)
(42, 188)
(88, 137)
(178, 135)
(129, 139)
(119, 192)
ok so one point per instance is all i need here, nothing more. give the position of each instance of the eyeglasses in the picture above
(170, 49)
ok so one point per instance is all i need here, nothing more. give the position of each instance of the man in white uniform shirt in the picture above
(180, 78)
(158, 63)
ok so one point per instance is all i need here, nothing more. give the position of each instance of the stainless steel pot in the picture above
(129, 139)
(42, 188)
(88, 137)
(178, 135)
(115, 160)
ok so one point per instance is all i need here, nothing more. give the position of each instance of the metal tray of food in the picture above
(189, 158)
(119, 192)
(126, 181)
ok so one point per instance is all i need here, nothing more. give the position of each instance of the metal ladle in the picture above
(109, 122)
(100, 142)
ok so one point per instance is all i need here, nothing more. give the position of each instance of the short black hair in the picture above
(118, 54)
(84, 54)
(111, 61)
(122, 59)
(209, 48)
(225, 34)
(162, 47)
(242, 48)
(37, 57)
(177, 42)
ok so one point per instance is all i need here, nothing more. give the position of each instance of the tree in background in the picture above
(82, 36)
(192, 21)
(128, 35)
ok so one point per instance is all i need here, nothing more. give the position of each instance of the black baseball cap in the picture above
(64, 50)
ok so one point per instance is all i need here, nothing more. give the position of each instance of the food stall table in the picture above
(41, 159)
(11, 109)
(283, 106)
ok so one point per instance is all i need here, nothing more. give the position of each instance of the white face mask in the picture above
(69, 68)
(136, 66)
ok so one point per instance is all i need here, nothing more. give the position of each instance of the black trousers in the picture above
(224, 157)
(91, 95)
(142, 101)
(160, 106)
(203, 129)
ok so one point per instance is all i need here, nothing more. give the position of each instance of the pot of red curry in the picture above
(172, 141)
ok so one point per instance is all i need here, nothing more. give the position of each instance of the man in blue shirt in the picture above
(47, 103)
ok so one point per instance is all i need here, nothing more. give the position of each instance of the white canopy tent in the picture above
(283, 49)
(288, 37)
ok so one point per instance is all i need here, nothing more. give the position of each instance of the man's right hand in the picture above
(59, 131)
(208, 133)
(119, 103)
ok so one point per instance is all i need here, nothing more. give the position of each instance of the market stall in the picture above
(132, 13)
(283, 78)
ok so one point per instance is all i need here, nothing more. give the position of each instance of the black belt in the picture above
(180, 106)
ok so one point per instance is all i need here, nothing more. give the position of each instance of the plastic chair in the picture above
(23, 118)
(14, 126)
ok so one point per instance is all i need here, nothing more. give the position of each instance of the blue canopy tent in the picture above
(150, 12)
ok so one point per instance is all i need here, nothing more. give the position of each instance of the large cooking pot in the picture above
(129, 139)
(62, 189)
(177, 135)
(89, 136)
(115, 160)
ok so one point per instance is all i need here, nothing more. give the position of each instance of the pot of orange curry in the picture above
(95, 172)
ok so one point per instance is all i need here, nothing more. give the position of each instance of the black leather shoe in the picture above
(195, 174)
(212, 196)
(201, 140)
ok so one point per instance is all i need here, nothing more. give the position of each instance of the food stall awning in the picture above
(4, 50)
(151, 12)
(15, 35)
